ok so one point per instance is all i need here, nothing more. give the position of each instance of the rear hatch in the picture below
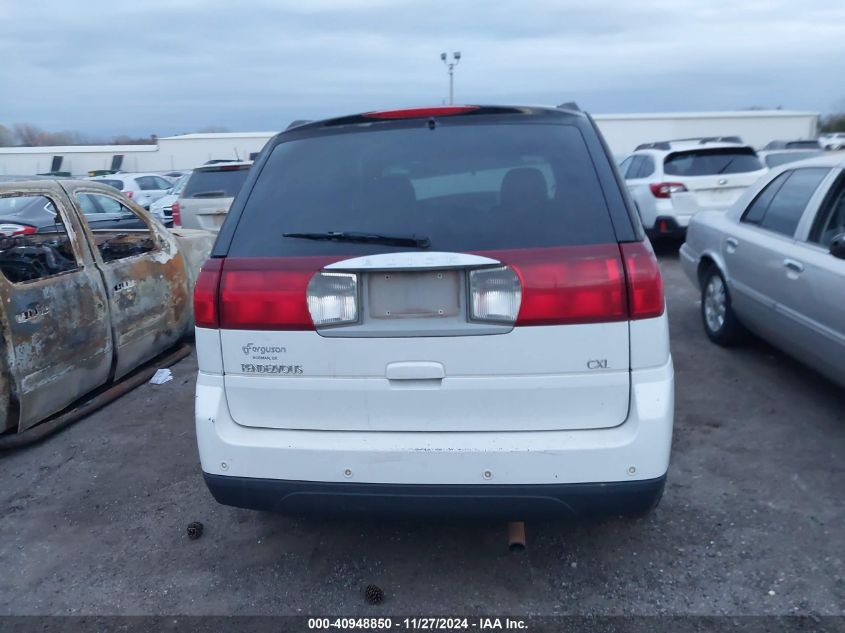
(422, 277)
(208, 194)
(714, 177)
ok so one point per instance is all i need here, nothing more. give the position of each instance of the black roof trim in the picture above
(481, 110)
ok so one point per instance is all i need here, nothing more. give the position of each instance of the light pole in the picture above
(456, 58)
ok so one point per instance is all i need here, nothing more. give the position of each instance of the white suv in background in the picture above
(672, 180)
(447, 310)
(833, 141)
(143, 189)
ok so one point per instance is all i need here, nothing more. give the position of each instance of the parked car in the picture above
(25, 215)
(142, 189)
(83, 305)
(163, 207)
(775, 264)
(670, 181)
(206, 197)
(448, 310)
(834, 141)
(797, 144)
(778, 157)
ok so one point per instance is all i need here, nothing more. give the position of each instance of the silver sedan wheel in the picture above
(715, 303)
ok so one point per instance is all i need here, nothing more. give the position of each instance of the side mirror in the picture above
(837, 246)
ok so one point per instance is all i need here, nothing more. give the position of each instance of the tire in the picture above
(719, 320)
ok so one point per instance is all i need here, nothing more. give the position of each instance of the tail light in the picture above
(268, 293)
(415, 113)
(568, 284)
(205, 294)
(10, 229)
(645, 284)
(546, 286)
(495, 294)
(333, 298)
(666, 189)
(176, 214)
(128, 194)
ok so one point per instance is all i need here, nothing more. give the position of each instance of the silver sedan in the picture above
(774, 264)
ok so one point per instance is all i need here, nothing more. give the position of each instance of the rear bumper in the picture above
(668, 227)
(510, 502)
(552, 472)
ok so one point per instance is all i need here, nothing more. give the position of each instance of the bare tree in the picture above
(834, 122)
(7, 139)
(28, 134)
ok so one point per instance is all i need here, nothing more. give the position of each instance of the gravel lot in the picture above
(93, 520)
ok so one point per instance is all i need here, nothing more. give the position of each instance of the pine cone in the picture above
(374, 594)
(194, 530)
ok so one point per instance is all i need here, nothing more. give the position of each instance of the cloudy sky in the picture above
(168, 66)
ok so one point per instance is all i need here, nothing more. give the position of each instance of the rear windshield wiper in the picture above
(364, 238)
(209, 194)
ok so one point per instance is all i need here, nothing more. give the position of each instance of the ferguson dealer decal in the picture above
(265, 353)
(286, 370)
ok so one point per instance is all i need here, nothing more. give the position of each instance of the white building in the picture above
(171, 153)
(622, 131)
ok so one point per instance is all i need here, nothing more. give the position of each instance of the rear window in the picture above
(775, 160)
(26, 206)
(117, 184)
(465, 187)
(711, 162)
(224, 182)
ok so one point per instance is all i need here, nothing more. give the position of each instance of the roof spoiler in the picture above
(297, 123)
(701, 140)
(569, 105)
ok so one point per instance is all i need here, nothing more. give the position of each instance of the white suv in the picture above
(670, 181)
(833, 141)
(143, 189)
(447, 310)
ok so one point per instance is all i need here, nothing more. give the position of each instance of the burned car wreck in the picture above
(92, 287)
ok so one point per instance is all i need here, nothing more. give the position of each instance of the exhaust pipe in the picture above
(516, 536)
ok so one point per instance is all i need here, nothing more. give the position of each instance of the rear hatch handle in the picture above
(415, 370)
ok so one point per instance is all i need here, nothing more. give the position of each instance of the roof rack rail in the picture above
(709, 139)
(297, 123)
(657, 145)
(569, 105)
(701, 140)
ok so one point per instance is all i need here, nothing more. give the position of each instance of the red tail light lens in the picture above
(645, 284)
(417, 113)
(205, 294)
(568, 284)
(559, 285)
(268, 293)
(128, 194)
(666, 189)
(176, 213)
(10, 229)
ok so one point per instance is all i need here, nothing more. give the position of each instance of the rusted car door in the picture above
(56, 333)
(145, 279)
